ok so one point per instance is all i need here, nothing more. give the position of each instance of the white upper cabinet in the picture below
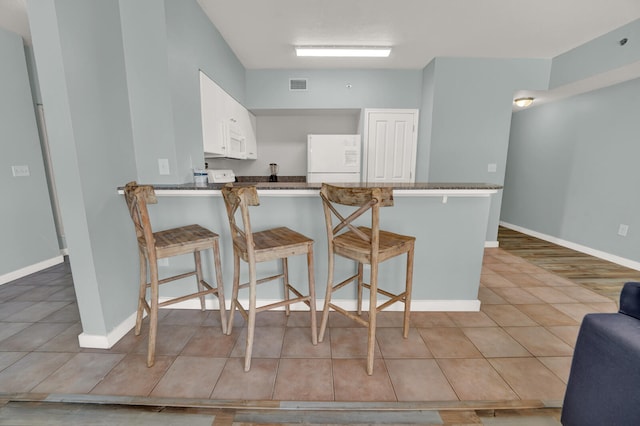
(211, 107)
(228, 129)
(252, 145)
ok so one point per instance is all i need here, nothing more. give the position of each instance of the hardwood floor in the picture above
(603, 277)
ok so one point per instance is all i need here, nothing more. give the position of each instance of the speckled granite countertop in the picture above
(313, 186)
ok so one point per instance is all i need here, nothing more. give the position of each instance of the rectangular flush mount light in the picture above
(343, 51)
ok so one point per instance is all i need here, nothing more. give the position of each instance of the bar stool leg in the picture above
(312, 296)
(251, 322)
(220, 284)
(407, 295)
(153, 314)
(142, 295)
(359, 284)
(234, 291)
(327, 300)
(196, 258)
(285, 281)
(373, 302)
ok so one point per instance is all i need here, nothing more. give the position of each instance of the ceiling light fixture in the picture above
(523, 102)
(344, 51)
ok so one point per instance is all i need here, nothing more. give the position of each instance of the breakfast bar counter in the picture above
(305, 189)
(449, 221)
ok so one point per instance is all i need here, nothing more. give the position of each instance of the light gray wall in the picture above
(26, 219)
(79, 54)
(328, 89)
(193, 43)
(147, 77)
(597, 56)
(120, 88)
(285, 134)
(572, 170)
(448, 252)
(283, 140)
(471, 117)
(33, 74)
(425, 124)
(165, 45)
(42, 132)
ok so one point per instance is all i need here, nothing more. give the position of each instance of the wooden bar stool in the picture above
(158, 245)
(254, 247)
(365, 245)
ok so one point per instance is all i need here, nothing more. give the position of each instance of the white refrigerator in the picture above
(333, 158)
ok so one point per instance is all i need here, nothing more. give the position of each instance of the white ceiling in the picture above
(263, 33)
(13, 17)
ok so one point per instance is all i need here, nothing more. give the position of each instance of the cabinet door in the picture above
(250, 134)
(234, 123)
(212, 107)
(390, 145)
(231, 109)
(243, 122)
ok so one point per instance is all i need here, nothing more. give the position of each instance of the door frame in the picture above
(365, 138)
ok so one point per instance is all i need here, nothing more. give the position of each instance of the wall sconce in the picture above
(523, 102)
(344, 51)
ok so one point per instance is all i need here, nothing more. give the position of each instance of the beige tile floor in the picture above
(517, 348)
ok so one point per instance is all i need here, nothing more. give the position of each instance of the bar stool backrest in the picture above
(137, 198)
(365, 198)
(237, 200)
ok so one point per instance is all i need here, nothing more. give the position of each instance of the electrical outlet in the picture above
(20, 171)
(492, 167)
(163, 262)
(623, 229)
(163, 166)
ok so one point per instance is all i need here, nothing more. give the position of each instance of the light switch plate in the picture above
(20, 171)
(492, 167)
(163, 166)
(623, 230)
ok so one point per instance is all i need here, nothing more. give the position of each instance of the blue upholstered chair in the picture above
(604, 382)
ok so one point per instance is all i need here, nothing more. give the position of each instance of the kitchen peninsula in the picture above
(449, 221)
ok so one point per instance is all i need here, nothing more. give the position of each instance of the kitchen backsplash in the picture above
(266, 178)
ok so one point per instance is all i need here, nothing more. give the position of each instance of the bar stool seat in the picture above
(367, 246)
(274, 243)
(163, 244)
(255, 247)
(185, 239)
(352, 246)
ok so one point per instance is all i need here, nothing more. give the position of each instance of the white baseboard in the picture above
(37, 267)
(491, 244)
(106, 342)
(574, 246)
(445, 305)
(209, 303)
(349, 304)
(416, 305)
(98, 341)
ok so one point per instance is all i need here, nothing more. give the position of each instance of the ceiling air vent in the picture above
(298, 84)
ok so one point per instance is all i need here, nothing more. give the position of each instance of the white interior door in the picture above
(390, 145)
